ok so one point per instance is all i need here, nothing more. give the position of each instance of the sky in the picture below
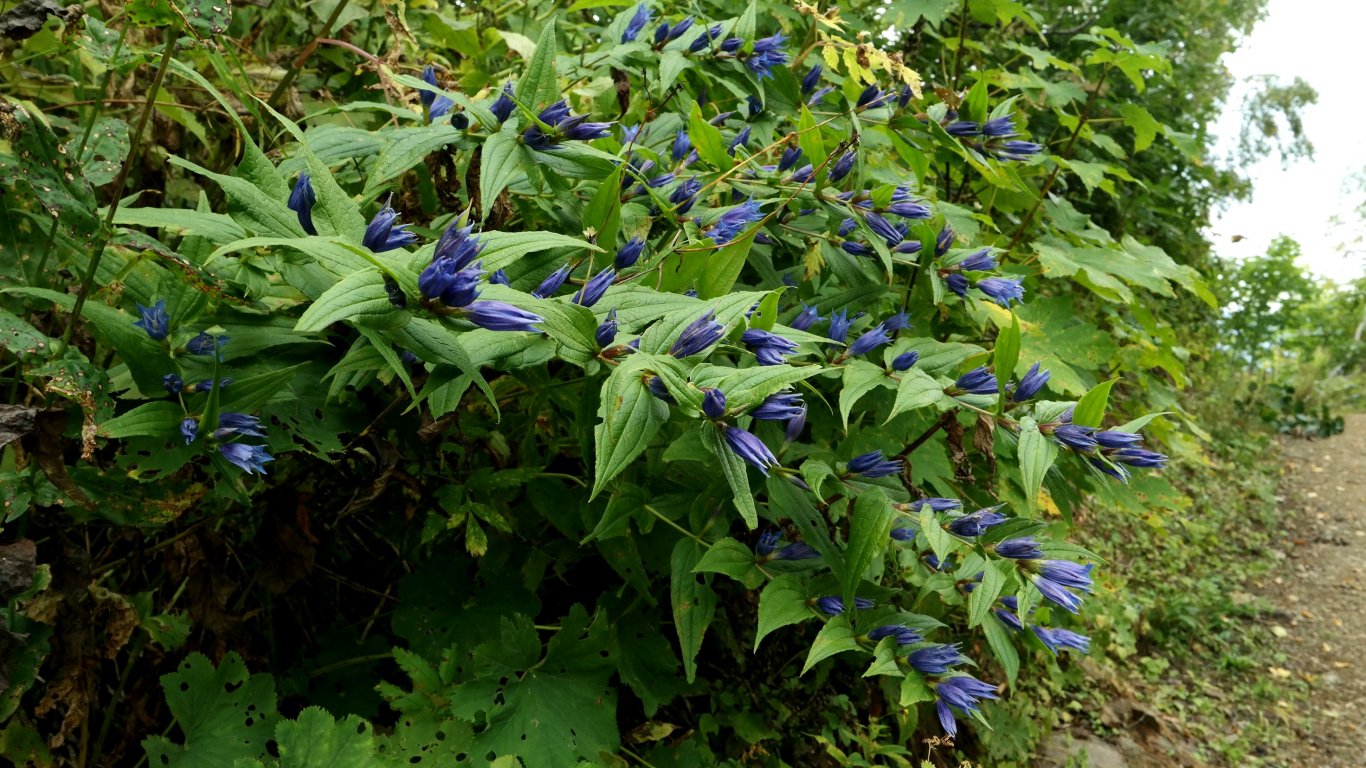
(1320, 41)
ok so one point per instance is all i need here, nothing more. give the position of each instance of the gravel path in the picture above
(1320, 595)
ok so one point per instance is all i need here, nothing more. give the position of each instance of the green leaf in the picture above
(860, 378)
(224, 713)
(885, 660)
(736, 471)
(498, 165)
(671, 65)
(915, 690)
(787, 500)
(809, 138)
(985, 594)
(1141, 422)
(941, 543)
(250, 206)
(723, 267)
(870, 529)
(502, 249)
(630, 418)
(1036, 454)
(359, 296)
(403, 149)
(1007, 355)
(539, 84)
(747, 387)
(603, 213)
(835, 637)
(1090, 409)
(158, 419)
(217, 228)
(251, 392)
(918, 390)
(316, 740)
(782, 603)
(694, 603)
(1002, 646)
(706, 138)
(335, 213)
(1144, 125)
(734, 559)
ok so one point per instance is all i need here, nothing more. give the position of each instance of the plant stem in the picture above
(304, 56)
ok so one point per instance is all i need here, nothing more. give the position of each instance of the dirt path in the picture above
(1320, 595)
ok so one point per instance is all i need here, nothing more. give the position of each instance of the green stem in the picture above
(676, 526)
(134, 153)
(304, 56)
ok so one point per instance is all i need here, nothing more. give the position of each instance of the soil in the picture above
(1320, 596)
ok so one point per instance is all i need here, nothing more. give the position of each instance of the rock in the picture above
(1080, 750)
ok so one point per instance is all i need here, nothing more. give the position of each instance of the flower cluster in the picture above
(453, 278)
(1111, 451)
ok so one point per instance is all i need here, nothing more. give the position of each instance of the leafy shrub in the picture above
(626, 412)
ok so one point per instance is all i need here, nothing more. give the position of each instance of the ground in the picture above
(1320, 595)
(1310, 608)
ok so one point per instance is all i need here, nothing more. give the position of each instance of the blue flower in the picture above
(458, 245)
(741, 140)
(903, 534)
(1020, 549)
(944, 241)
(839, 326)
(1056, 578)
(1030, 385)
(1076, 437)
(502, 106)
(1010, 614)
(189, 429)
(551, 284)
(729, 46)
(873, 464)
(1058, 639)
(204, 344)
(812, 79)
(659, 390)
(749, 448)
(780, 407)
(904, 635)
(685, 194)
(898, 322)
(172, 383)
(595, 287)
(869, 97)
(795, 551)
(154, 320)
(501, 316)
(682, 146)
(805, 318)
(636, 24)
(1000, 127)
(233, 424)
(935, 503)
(206, 385)
(908, 209)
(936, 658)
(978, 381)
(870, 340)
(756, 108)
(1002, 290)
(564, 126)
(905, 361)
(768, 53)
(454, 289)
(630, 253)
(963, 128)
(700, 334)
(834, 606)
(854, 248)
(1138, 457)
(301, 200)
(958, 284)
(248, 458)
(733, 222)
(884, 229)
(978, 261)
(789, 158)
(714, 403)
(499, 277)
(1017, 150)
(1116, 439)
(704, 39)
(769, 348)
(976, 523)
(768, 540)
(436, 105)
(819, 95)
(904, 97)
(795, 425)
(607, 332)
(963, 692)
(842, 166)
(382, 234)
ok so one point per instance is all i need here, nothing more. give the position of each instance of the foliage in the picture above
(462, 423)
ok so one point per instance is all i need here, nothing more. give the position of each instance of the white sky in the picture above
(1320, 41)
